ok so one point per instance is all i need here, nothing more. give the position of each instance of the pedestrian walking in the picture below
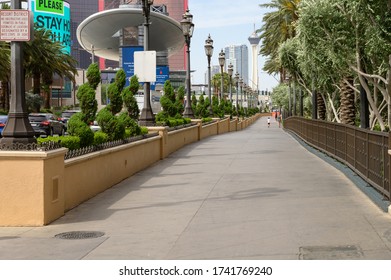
(268, 121)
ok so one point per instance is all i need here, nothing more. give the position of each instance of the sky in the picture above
(229, 23)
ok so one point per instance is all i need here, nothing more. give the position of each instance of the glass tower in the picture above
(238, 56)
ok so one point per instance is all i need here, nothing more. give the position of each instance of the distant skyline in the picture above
(228, 23)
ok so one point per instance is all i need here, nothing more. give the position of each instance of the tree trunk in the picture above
(2, 96)
(6, 88)
(37, 83)
(321, 107)
(389, 83)
(46, 92)
(348, 110)
(37, 88)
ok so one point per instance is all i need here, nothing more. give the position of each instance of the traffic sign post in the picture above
(15, 25)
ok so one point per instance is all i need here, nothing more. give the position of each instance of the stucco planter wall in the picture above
(39, 187)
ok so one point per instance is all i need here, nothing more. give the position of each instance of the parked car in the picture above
(3, 122)
(67, 114)
(46, 124)
(95, 126)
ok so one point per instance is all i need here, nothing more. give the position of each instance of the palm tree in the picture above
(216, 82)
(278, 27)
(44, 58)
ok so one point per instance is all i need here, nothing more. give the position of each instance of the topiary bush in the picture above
(70, 142)
(77, 127)
(111, 125)
(130, 124)
(114, 92)
(100, 137)
(129, 99)
(172, 105)
(202, 108)
(88, 103)
(93, 75)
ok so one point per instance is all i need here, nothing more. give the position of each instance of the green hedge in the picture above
(70, 142)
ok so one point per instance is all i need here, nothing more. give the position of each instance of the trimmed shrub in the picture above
(144, 130)
(88, 103)
(130, 103)
(76, 127)
(93, 76)
(70, 142)
(110, 124)
(100, 137)
(130, 124)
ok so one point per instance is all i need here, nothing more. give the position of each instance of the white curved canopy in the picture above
(101, 31)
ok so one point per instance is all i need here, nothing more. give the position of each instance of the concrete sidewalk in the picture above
(253, 194)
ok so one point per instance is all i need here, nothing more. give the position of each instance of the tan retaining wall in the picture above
(31, 187)
(37, 188)
(93, 173)
(209, 130)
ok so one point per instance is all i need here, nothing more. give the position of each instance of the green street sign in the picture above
(51, 6)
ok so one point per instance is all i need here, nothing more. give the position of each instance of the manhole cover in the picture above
(349, 252)
(79, 235)
(9, 237)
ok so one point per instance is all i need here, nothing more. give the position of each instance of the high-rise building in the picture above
(80, 10)
(175, 9)
(238, 56)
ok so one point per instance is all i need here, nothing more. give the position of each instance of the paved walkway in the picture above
(253, 194)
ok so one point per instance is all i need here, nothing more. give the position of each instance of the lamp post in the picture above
(209, 53)
(146, 116)
(188, 28)
(241, 91)
(222, 62)
(230, 72)
(18, 129)
(237, 90)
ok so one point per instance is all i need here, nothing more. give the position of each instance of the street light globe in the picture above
(230, 69)
(209, 46)
(187, 24)
(222, 58)
(237, 76)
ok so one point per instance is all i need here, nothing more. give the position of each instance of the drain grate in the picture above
(349, 252)
(8, 237)
(76, 235)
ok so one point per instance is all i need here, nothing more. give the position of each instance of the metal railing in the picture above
(364, 151)
(90, 149)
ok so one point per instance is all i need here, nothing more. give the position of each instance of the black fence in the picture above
(364, 151)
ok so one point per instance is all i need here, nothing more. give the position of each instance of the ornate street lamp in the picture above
(188, 29)
(146, 116)
(230, 72)
(237, 89)
(222, 62)
(241, 90)
(209, 53)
